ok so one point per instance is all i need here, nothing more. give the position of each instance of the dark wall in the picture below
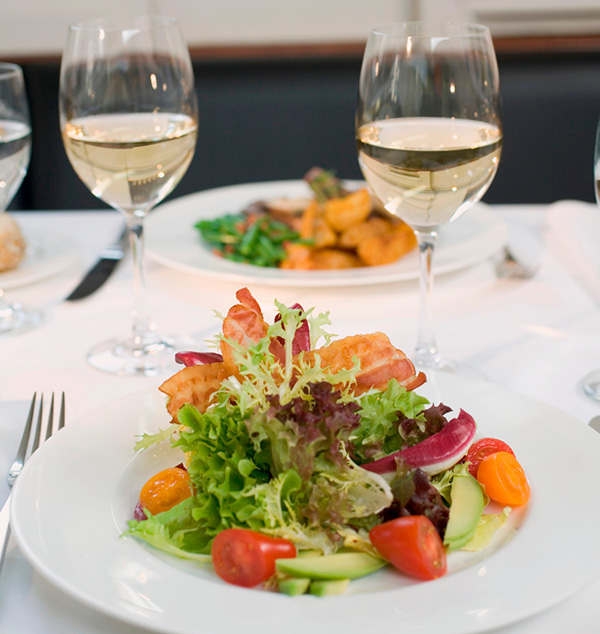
(272, 119)
(551, 108)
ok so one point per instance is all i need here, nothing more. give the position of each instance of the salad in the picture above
(311, 461)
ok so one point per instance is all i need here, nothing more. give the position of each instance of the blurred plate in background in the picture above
(172, 240)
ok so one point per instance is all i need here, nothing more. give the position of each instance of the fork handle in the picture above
(4, 528)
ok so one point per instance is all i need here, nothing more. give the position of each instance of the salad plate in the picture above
(47, 255)
(72, 502)
(172, 240)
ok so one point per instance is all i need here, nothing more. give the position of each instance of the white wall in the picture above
(39, 26)
(521, 17)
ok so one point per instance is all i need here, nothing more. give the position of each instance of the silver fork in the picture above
(26, 449)
(509, 267)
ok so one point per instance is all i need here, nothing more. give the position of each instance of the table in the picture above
(538, 336)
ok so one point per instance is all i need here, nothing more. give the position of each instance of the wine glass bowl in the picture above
(591, 381)
(429, 135)
(15, 153)
(128, 116)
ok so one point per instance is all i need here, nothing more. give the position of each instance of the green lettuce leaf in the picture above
(443, 481)
(174, 532)
(378, 434)
(487, 527)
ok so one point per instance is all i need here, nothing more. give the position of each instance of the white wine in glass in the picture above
(15, 152)
(429, 135)
(128, 116)
(591, 381)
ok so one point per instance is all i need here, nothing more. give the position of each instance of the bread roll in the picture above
(12, 243)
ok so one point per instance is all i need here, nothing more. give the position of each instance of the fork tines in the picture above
(22, 452)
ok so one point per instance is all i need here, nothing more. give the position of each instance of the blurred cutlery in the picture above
(510, 267)
(595, 423)
(110, 256)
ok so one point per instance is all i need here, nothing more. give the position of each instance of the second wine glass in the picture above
(128, 117)
(429, 135)
(591, 382)
(15, 152)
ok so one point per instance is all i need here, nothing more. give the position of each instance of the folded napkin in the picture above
(573, 234)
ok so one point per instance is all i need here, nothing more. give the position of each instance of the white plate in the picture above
(47, 255)
(74, 497)
(172, 240)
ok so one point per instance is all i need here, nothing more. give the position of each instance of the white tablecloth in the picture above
(538, 336)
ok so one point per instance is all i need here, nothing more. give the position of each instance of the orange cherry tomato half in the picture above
(482, 448)
(412, 545)
(504, 479)
(246, 558)
(165, 489)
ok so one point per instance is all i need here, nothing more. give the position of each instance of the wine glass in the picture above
(591, 382)
(15, 152)
(429, 135)
(128, 117)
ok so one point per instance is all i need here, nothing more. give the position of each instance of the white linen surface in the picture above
(538, 336)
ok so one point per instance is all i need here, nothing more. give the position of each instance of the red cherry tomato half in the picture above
(482, 448)
(247, 558)
(412, 545)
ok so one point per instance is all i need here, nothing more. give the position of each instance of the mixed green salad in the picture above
(296, 479)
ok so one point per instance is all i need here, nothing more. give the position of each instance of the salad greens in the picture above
(250, 238)
(281, 448)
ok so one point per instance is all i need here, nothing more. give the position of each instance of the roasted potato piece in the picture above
(298, 257)
(334, 259)
(342, 213)
(388, 247)
(303, 258)
(314, 227)
(362, 231)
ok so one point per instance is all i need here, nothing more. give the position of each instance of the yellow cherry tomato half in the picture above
(165, 489)
(504, 479)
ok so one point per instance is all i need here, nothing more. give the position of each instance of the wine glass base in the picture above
(437, 362)
(16, 319)
(591, 385)
(141, 356)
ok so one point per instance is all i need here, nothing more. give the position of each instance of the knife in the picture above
(110, 256)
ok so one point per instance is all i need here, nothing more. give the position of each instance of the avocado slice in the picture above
(467, 503)
(337, 566)
(328, 587)
(293, 586)
(309, 553)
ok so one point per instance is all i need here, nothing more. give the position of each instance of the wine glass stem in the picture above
(141, 329)
(426, 352)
